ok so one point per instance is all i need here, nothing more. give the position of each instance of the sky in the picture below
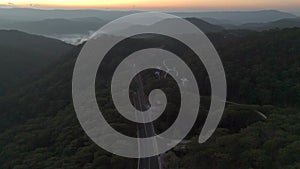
(287, 5)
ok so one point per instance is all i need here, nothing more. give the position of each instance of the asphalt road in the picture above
(145, 130)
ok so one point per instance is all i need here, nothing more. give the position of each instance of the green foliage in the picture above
(24, 56)
(39, 128)
(263, 68)
(270, 144)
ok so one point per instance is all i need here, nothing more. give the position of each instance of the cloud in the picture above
(7, 5)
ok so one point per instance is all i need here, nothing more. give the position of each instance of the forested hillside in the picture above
(262, 68)
(24, 55)
(263, 78)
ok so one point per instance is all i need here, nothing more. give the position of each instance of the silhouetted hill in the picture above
(217, 21)
(205, 26)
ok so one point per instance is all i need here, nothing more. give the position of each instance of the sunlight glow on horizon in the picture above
(208, 4)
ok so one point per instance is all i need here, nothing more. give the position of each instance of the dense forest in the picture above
(260, 127)
(24, 55)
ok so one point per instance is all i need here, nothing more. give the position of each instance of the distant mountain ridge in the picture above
(56, 26)
(30, 14)
(234, 17)
(241, 17)
(75, 26)
(280, 24)
(166, 24)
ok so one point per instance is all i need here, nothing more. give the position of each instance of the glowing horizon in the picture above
(204, 4)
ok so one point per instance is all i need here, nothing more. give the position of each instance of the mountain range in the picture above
(259, 127)
(39, 128)
(279, 24)
(232, 17)
(75, 26)
(55, 26)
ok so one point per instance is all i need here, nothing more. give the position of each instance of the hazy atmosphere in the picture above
(182, 5)
(97, 84)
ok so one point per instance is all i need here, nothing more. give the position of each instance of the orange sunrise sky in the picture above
(140, 4)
